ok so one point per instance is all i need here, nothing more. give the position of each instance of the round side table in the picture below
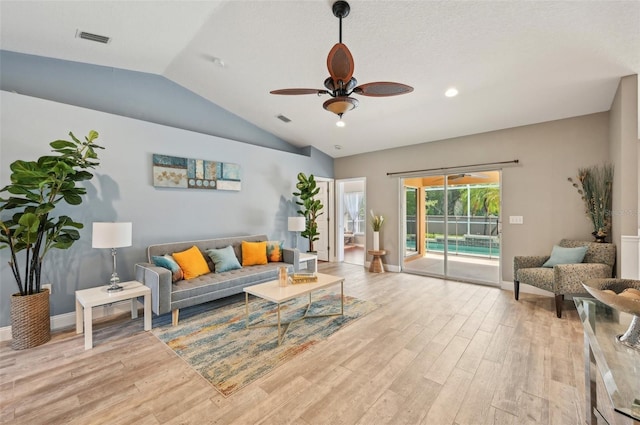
(376, 263)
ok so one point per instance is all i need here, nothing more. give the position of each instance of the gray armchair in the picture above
(563, 279)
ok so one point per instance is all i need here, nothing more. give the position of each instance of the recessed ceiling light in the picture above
(337, 147)
(451, 92)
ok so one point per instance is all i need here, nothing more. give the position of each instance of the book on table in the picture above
(303, 278)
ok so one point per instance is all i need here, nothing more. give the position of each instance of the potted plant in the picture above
(311, 207)
(29, 228)
(376, 223)
(594, 184)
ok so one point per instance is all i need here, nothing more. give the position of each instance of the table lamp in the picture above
(296, 224)
(112, 235)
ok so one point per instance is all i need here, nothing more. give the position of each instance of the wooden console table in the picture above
(376, 263)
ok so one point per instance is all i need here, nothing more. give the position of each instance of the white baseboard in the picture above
(387, 267)
(68, 320)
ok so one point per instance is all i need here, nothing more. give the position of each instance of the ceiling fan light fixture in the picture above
(341, 104)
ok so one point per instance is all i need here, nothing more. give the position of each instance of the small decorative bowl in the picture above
(599, 289)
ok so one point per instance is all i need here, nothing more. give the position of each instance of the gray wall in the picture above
(121, 189)
(536, 189)
(139, 95)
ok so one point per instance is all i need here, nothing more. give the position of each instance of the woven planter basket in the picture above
(30, 322)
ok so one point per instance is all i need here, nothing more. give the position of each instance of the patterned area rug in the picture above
(213, 339)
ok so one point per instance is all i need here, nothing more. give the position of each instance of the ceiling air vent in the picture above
(283, 118)
(92, 37)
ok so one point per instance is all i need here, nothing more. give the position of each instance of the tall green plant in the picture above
(594, 184)
(311, 207)
(36, 188)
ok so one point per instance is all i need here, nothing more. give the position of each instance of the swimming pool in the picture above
(484, 251)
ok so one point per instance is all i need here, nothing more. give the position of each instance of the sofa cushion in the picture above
(254, 253)
(274, 251)
(232, 280)
(169, 263)
(191, 262)
(561, 255)
(225, 259)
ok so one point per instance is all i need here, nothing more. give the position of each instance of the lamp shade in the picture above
(111, 235)
(296, 224)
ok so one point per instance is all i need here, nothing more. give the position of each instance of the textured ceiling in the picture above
(514, 63)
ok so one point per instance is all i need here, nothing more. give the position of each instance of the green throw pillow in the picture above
(560, 255)
(225, 259)
(169, 263)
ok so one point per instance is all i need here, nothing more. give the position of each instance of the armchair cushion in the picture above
(562, 255)
(541, 277)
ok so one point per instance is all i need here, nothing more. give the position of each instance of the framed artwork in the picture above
(187, 173)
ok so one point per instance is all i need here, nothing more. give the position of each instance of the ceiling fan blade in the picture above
(340, 63)
(299, 91)
(382, 89)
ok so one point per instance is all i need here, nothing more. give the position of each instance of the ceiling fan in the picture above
(340, 84)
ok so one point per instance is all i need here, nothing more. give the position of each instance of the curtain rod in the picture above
(515, 161)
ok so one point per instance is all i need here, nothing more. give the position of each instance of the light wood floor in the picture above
(434, 352)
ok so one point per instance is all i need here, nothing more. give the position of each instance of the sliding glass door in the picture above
(459, 235)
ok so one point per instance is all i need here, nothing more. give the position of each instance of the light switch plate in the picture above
(516, 219)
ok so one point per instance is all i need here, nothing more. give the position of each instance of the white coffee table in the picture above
(86, 299)
(271, 291)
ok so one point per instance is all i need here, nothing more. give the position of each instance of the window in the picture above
(354, 212)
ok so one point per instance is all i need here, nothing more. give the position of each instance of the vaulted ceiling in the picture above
(514, 63)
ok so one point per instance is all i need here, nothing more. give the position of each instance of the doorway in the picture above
(452, 226)
(351, 221)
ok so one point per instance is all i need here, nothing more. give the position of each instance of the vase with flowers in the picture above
(594, 185)
(376, 223)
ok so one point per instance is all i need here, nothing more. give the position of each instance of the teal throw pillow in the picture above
(169, 263)
(560, 255)
(225, 259)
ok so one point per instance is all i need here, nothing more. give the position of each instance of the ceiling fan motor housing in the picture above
(339, 88)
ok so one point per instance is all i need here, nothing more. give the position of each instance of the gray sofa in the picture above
(171, 297)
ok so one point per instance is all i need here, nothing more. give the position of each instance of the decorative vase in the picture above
(283, 276)
(376, 241)
(599, 238)
(30, 322)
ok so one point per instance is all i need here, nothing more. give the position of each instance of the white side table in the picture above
(306, 258)
(86, 299)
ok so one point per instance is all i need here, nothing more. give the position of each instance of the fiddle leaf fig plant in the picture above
(27, 221)
(311, 207)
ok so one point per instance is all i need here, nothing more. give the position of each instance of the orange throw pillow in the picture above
(191, 262)
(254, 253)
(274, 250)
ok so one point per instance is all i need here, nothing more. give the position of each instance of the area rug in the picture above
(215, 342)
